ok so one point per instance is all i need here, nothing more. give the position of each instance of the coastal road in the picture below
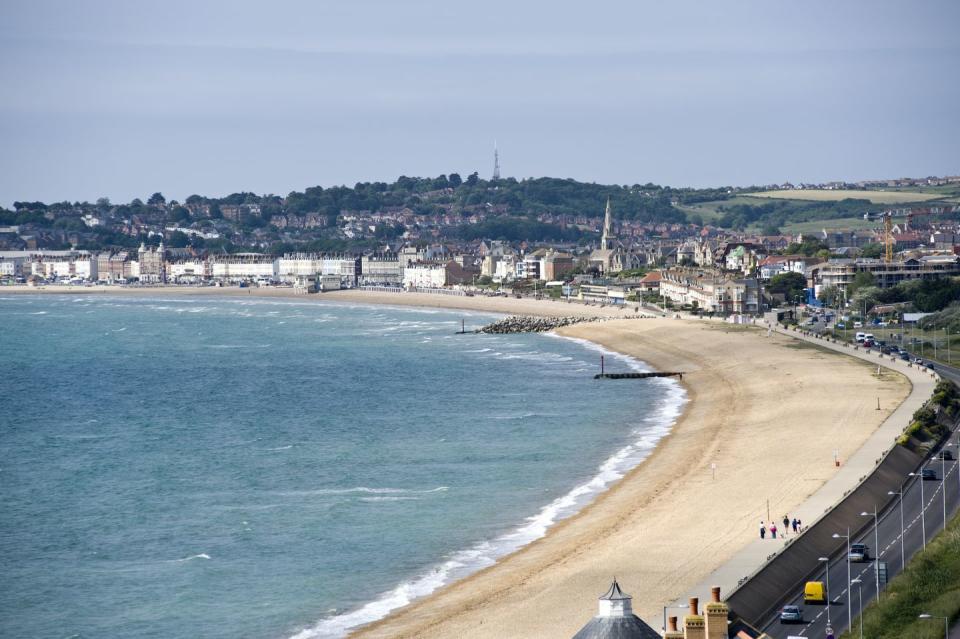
(889, 530)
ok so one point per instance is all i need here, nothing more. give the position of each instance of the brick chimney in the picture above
(672, 632)
(716, 613)
(693, 624)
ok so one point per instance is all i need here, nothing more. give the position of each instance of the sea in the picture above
(223, 467)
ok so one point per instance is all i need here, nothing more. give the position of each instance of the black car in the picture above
(928, 474)
(945, 455)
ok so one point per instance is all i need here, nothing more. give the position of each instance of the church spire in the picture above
(607, 240)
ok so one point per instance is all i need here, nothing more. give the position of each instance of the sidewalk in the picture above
(753, 556)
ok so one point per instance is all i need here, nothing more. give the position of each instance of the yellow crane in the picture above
(888, 237)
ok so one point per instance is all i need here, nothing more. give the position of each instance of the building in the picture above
(424, 275)
(152, 264)
(293, 265)
(841, 273)
(115, 267)
(189, 270)
(710, 291)
(611, 257)
(556, 265)
(243, 266)
(615, 619)
(348, 267)
(381, 269)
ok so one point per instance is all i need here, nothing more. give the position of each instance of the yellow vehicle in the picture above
(814, 592)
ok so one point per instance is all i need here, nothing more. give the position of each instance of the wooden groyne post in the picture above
(636, 375)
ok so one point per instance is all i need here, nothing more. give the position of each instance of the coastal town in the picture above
(705, 268)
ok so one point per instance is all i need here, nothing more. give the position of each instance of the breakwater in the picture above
(530, 324)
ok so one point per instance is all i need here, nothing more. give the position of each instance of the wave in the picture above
(38, 313)
(464, 562)
(365, 490)
(202, 555)
(267, 450)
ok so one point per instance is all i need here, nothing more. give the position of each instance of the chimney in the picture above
(672, 632)
(716, 613)
(693, 624)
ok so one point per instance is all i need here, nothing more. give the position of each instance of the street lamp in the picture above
(849, 611)
(923, 511)
(903, 561)
(876, 546)
(826, 561)
(946, 623)
(860, 600)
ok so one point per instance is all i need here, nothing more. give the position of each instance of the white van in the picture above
(861, 336)
(858, 324)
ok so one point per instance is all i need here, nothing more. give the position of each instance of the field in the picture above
(877, 197)
(815, 226)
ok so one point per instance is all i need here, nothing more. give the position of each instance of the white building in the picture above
(243, 266)
(425, 275)
(193, 270)
(293, 265)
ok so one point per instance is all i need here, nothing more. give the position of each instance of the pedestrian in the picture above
(773, 530)
(795, 524)
(786, 524)
(763, 531)
(799, 526)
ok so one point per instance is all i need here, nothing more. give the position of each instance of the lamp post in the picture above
(826, 561)
(849, 611)
(876, 546)
(903, 561)
(946, 623)
(860, 600)
(923, 512)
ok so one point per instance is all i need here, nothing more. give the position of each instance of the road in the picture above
(817, 617)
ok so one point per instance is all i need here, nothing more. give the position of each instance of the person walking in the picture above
(763, 531)
(773, 530)
(799, 526)
(794, 522)
(786, 524)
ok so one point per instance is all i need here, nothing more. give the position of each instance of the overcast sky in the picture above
(121, 98)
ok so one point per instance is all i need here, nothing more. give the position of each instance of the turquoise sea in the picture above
(226, 467)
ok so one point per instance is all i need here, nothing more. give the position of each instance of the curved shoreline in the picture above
(666, 525)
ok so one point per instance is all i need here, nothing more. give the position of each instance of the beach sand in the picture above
(768, 411)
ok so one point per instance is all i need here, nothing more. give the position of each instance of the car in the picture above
(886, 350)
(840, 325)
(905, 356)
(791, 614)
(928, 474)
(946, 455)
(868, 343)
(859, 552)
(930, 365)
(814, 592)
(858, 324)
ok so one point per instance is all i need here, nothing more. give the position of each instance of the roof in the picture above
(631, 627)
(614, 593)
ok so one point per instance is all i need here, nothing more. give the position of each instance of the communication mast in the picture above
(496, 162)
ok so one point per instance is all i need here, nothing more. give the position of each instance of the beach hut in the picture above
(616, 620)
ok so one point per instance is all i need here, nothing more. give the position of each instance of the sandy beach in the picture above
(766, 410)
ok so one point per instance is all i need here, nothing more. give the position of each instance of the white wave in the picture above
(120, 330)
(390, 498)
(237, 346)
(513, 417)
(278, 448)
(38, 313)
(202, 555)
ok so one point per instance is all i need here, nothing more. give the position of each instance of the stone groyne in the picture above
(530, 324)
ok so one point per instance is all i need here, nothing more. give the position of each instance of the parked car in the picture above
(840, 325)
(886, 350)
(928, 474)
(859, 552)
(945, 454)
(791, 614)
(868, 343)
(858, 324)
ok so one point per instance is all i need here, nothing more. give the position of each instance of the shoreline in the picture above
(639, 528)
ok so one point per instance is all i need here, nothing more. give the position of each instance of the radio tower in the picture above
(496, 162)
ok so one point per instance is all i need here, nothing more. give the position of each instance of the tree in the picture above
(829, 295)
(790, 285)
(861, 280)
(178, 239)
(455, 180)
(472, 179)
(156, 198)
(872, 251)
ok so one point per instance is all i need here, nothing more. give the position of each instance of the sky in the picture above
(122, 98)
